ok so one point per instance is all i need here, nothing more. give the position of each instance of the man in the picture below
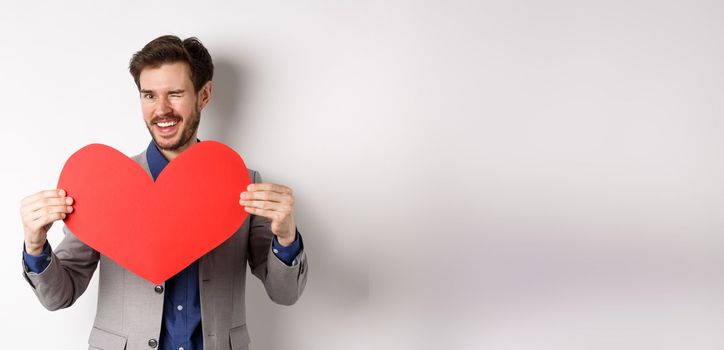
(202, 307)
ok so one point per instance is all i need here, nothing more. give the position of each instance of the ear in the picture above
(205, 94)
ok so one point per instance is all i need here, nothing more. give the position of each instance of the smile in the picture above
(166, 124)
(166, 128)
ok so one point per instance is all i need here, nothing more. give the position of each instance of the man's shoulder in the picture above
(141, 157)
(141, 160)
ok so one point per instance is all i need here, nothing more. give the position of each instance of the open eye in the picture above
(147, 96)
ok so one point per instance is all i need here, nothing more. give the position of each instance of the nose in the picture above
(163, 107)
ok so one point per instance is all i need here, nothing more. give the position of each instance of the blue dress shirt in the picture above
(181, 325)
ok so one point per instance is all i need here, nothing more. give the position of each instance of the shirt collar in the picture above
(156, 160)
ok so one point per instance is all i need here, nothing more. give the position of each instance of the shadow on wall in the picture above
(229, 94)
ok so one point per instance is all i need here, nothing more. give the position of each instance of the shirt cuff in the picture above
(289, 253)
(37, 264)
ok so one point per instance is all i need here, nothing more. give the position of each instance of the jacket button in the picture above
(153, 343)
(158, 289)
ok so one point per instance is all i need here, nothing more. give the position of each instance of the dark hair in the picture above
(170, 49)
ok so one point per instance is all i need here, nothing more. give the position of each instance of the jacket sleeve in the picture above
(67, 276)
(284, 284)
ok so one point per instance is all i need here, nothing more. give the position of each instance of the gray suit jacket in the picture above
(130, 308)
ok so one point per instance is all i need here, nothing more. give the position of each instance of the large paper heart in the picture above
(155, 229)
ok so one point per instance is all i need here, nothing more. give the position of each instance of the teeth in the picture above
(166, 124)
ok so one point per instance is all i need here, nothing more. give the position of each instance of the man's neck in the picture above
(170, 155)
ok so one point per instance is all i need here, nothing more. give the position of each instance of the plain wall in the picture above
(468, 174)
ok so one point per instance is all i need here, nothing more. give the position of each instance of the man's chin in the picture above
(167, 144)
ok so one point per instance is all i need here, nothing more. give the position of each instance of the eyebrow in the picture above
(178, 91)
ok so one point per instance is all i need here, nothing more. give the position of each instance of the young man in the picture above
(202, 307)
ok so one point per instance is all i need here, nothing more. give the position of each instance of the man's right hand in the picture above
(39, 211)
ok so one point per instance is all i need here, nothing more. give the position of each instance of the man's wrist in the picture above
(34, 249)
(287, 241)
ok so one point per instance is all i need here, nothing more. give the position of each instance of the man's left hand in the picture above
(275, 202)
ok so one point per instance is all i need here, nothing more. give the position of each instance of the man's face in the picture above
(171, 107)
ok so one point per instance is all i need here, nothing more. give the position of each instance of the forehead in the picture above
(166, 76)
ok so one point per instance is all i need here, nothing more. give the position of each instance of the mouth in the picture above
(166, 126)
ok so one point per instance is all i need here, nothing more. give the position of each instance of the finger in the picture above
(270, 214)
(49, 210)
(266, 196)
(43, 194)
(46, 202)
(280, 207)
(267, 186)
(47, 219)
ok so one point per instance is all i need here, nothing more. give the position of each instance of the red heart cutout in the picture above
(155, 229)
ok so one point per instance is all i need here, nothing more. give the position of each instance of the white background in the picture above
(469, 174)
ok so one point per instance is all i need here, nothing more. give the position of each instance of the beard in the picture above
(190, 126)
